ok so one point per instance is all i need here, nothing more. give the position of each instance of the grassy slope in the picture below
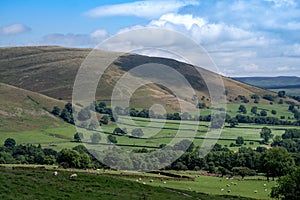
(37, 184)
(22, 110)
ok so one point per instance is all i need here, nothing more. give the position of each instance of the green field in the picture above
(40, 184)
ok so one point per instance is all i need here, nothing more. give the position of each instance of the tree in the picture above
(119, 131)
(95, 138)
(288, 187)
(9, 142)
(78, 137)
(281, 94)
(276, 162)
(254, 110)
(137, 132)
(112, 139)
(266, 134)
(243, 109)
(263, 113)
(243, 171)
(69, 158)
(104, 119)
(201, 105)
(56, 111)
(239, 140)
(233, 122)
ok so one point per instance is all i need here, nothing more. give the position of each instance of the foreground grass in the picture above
(41, 184)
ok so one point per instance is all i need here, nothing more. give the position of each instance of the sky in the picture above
(243, 37)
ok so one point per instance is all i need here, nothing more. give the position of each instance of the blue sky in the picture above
(244, 38)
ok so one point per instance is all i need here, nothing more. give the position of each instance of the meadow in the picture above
(106, 184)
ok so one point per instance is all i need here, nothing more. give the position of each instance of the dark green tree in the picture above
(56, 111)
(254, 110)
(276, 162)
(266, 134)
(281, 94)
(243, 109)
(288, 187)
(10, 142)
(263, 113)
(112, 139)
(239, 140)
(78, 136)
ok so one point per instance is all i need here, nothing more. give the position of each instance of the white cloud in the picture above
(99, 34)
(143, 9)
(14, 29)
(201, 30)
(73, 40)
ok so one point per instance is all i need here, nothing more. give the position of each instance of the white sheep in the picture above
(165, 182)
(144, 183)
(228, 191)
(255, 191)
(73, 176)
(266, 190)
(228, 185)
(55, 173)
(265, 185)
(222, 189)
(151, 180)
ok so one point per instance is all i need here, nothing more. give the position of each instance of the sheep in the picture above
(228, 185)
(228, 191)
(140, 179)
(55, 173)
(137, 180)
(265, 185)
(266, 190)
(222, 189)
(151, 181)
(255, 191)
(165, 182)
(144, 183)
(73, 176)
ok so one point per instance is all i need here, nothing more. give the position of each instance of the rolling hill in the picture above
(51, 71)
(22, 110)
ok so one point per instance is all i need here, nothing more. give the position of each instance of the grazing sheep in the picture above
(228, 185)
(265, 185)
(151, 180)
(55, 173)
(140, 179)
(137, 180)
(165, 182)
(266, 190)
(255, 191)
(228, 191)
(144, 183)
(222, 189)
(73, 176)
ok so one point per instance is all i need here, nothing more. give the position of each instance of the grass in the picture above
(159, 133)
(28, 183)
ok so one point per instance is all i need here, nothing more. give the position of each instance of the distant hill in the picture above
(291, 84)
(272, 82)
(51, 71)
